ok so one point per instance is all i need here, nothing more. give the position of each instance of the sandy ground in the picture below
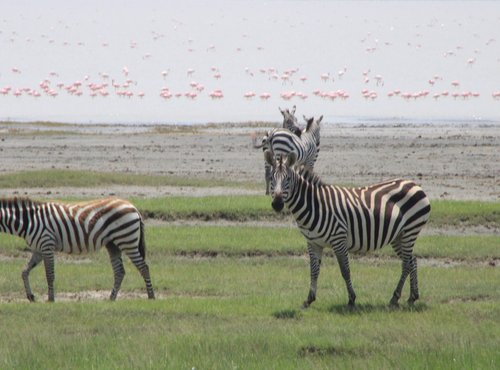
(449, 161)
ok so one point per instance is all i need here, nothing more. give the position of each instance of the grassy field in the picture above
(229, 297)
(69, 178)
(240, 208)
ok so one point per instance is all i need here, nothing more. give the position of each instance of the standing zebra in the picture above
(77, 228)
(351, 220)
(290, 121)
(264, 145)
(281, 142)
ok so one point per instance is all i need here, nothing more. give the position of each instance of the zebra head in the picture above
(281, 169)
(290, 121)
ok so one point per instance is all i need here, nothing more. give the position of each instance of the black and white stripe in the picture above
(351, 220)
(289, 123)
(78, 228)
(281, 142)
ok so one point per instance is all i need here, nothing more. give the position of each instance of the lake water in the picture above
(160, 61)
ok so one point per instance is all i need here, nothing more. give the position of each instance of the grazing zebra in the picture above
(77, 228)
(306, 147)
(351, 220)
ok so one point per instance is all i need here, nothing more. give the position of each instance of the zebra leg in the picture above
(115, 256)
(405, 270)
(406, 259)
(413, 281)
(315, 254)
(343, 260)
(403, 249)
(35, 259)
(48, 261)
(267, 176)
(143, 268)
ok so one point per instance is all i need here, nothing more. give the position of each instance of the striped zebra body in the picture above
(78, 228)
(289, 123)
(352, 220)
(306, 147)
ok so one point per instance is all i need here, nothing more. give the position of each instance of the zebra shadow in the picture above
(365, 308)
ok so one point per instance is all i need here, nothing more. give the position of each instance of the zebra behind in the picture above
(78, 228)
(351, 220)
(283, 141)
(289, 123)
(306, 147)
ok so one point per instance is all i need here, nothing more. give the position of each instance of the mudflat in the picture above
(450, 161)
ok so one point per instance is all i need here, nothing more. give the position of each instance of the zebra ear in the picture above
(293, 109)
(282, 111)
(268, 156)
(291, 158)
(318, 121)
(309, 122)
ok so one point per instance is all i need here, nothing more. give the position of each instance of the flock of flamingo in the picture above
(285, 83)
(104, 86)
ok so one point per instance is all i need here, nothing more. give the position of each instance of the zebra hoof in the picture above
(393, 305)
(305, 305)
(411, 302)
(31, 297)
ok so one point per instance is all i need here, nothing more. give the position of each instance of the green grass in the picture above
(241, 241)
(254, 207)
(236, 208)
(465, 212)
(69, 178)
(230, 297)
(244, 207)
(221, 313)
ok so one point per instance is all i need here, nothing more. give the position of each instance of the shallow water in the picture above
(256, 47)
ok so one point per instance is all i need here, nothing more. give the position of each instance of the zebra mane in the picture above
(311, 177)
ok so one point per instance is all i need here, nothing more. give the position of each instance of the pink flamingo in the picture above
(216, 94)
(265, 96)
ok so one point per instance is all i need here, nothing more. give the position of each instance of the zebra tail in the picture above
(142, 241)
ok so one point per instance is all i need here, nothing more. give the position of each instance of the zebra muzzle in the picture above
(277, 203)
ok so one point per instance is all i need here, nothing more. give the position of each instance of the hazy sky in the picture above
(65, 51)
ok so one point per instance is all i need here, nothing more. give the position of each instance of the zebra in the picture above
(290, 121)
(306, 147)
(283, 141)
(351, 220)
(77, 228)
(264, 145)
